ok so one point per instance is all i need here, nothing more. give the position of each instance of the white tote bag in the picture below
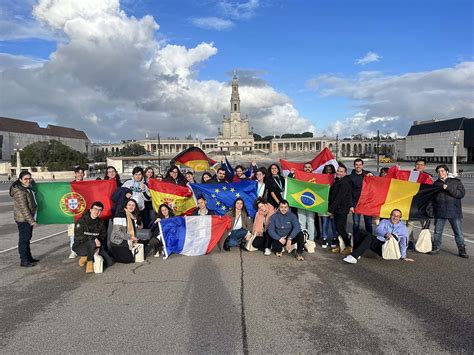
(423, 243)
(98, 264)
(249, 243)
(138, 252)
(391, 249)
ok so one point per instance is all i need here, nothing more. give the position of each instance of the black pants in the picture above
(151, 246)
(122, 253)
(367, 241)
(25, 232)
(317, 226)
(278, 247)
(262, 242)
(88, 249)
(341, 223)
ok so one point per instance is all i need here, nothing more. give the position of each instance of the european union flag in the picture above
(221, 197)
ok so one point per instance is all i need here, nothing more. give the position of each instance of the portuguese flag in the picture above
(307, 195)
(179, 198)
(381, 195)
(65, 202)
(194, 158)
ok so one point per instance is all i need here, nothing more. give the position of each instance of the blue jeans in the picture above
(356, 226)
(236, 236)
(455, 225)
(326, 221)
(25, 232)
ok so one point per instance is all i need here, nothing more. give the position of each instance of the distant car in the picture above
(385, 160)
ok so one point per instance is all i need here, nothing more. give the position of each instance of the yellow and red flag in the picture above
(178, 198)
(381, 195)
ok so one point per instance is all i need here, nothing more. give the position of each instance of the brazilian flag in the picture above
(307, 195)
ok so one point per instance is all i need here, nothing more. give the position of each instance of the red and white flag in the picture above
(409, 175)
(325, 157)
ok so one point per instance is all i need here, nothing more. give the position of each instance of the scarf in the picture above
(130, 224)
(262, 220)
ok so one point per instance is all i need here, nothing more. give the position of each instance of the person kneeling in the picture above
(387, 228)
(90, 236)
(284, 230)
(123, 240)
(241, 225)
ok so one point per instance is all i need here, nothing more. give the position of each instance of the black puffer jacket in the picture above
(87, 229)
(340, 195)
(447, 203)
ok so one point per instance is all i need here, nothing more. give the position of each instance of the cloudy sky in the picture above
(120, 70)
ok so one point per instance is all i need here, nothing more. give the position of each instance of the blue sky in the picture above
(306, 51)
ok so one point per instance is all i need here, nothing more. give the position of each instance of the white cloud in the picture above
(238, 10)
(212, 23)
(10, 61)
(369, 58)
(401, 99)
(113, 79)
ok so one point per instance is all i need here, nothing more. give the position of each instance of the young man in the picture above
(340, 197)
(138, 187)
(90, 235)
(284, 230)
(78, 177)
(305, 217)
(387, 228)
(447, 207)
(219, 176)
(357, 177)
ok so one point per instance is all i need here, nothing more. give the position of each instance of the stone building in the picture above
(17, 134)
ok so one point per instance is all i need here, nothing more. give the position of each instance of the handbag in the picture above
(391, 249)
(249, 243)
(98, 264)
(138, 253)
(423, 243)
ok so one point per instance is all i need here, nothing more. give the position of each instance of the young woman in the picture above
(148, 213)
(206, 177)
(111, 174)
(260, 176)
(175, 176)
(327, 221)
(241, 225)
(24, 209)
(124, 231)
(276, 185)
(159, 177)
(155, 243)
(262, 240)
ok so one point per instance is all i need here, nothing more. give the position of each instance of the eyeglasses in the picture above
(396, 216)
(98, 209)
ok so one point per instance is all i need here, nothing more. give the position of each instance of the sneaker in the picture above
(73, 255)
(157, 254)
(299, 257)
(325, 244)
(267, 252)
(347, 251)
(435, 251)
(279, 254)
(462, 253)
(336, 250)
(350, 259)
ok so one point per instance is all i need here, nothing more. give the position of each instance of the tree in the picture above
(99, 156)
(53, 155)
(132, 150)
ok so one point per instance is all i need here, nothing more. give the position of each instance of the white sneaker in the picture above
(73, 255)
(157, 254)
(350, 259)
(267, 252)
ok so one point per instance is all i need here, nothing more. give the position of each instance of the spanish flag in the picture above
(381, 195)
(194, 158)
(314, 178)
(178, 198)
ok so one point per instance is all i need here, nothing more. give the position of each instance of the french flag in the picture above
(409, 175)
(192, 235)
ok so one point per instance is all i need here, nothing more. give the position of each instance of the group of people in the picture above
(275, 227)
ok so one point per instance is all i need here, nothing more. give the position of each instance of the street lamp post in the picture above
(18, 161)
(455, 143)
(337, 146)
